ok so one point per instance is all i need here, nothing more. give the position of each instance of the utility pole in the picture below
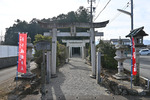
(91, 12)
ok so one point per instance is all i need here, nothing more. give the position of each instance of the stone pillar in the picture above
(93, 52)
(48, 66)
(70, 52)
(67, 55)
(54, 50)
(98, 78)
(82, 52)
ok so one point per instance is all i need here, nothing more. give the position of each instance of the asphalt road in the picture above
(10, 72)
(144, 66)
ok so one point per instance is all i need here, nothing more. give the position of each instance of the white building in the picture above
(124, 41)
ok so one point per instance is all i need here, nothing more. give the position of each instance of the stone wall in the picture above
(8, 61)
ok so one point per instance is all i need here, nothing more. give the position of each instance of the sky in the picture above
(120, 23)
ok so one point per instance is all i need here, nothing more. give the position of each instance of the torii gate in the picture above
(54, 26)
(70, 44)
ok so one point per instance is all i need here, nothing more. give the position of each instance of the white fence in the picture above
(8, 51)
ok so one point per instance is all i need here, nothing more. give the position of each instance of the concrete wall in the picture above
(8, 55)
(8, 51)
(8, 61)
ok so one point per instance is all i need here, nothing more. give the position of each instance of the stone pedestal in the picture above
(120, 57)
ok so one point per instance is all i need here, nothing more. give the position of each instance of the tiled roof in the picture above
(137, 32)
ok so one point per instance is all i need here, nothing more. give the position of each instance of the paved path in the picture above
(73, 83)
(73, 80)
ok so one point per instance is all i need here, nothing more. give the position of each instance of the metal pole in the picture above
(17, 60)
(131, 62)
(131, 38)
(131, 15)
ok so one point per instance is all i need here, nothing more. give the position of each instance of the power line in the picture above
(102, 9)
(118, 14)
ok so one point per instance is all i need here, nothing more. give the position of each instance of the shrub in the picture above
(61, 51)
(108, 50)
(61, 54)
(38, 54)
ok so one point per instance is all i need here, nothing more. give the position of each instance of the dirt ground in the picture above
(11, 87)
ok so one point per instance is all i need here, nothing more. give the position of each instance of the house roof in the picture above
(137, 32)
(123, 40)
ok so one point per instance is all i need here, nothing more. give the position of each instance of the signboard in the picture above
(22, 53)
(134, 71)
(43, 45)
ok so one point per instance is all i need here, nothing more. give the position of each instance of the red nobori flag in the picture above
(134, 71)
(22, 53)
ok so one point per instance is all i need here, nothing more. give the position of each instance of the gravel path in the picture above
(73, 80)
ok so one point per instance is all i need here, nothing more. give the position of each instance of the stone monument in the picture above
(120, 57)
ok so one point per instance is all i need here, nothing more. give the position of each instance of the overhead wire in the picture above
(118, 14)
(102, 9)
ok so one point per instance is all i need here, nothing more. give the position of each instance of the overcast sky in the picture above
(10, 10)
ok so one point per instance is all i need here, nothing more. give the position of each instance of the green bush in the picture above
(108, 50)
(38, 56)
(61, 51)
(61, 54)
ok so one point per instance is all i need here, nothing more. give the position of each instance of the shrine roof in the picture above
(137, 32)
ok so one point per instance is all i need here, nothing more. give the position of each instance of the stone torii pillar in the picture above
(83, 52)
(54, 51)
(93, 53)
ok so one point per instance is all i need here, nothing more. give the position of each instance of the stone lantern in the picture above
(138, 35)
(29, 56)
(120, 57)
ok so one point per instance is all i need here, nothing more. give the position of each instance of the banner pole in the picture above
(131, 60)
(17, 60)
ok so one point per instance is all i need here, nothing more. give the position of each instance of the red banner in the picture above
(134, 71)
(22, 53)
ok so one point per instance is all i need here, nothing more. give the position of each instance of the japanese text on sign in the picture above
(22, 53)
